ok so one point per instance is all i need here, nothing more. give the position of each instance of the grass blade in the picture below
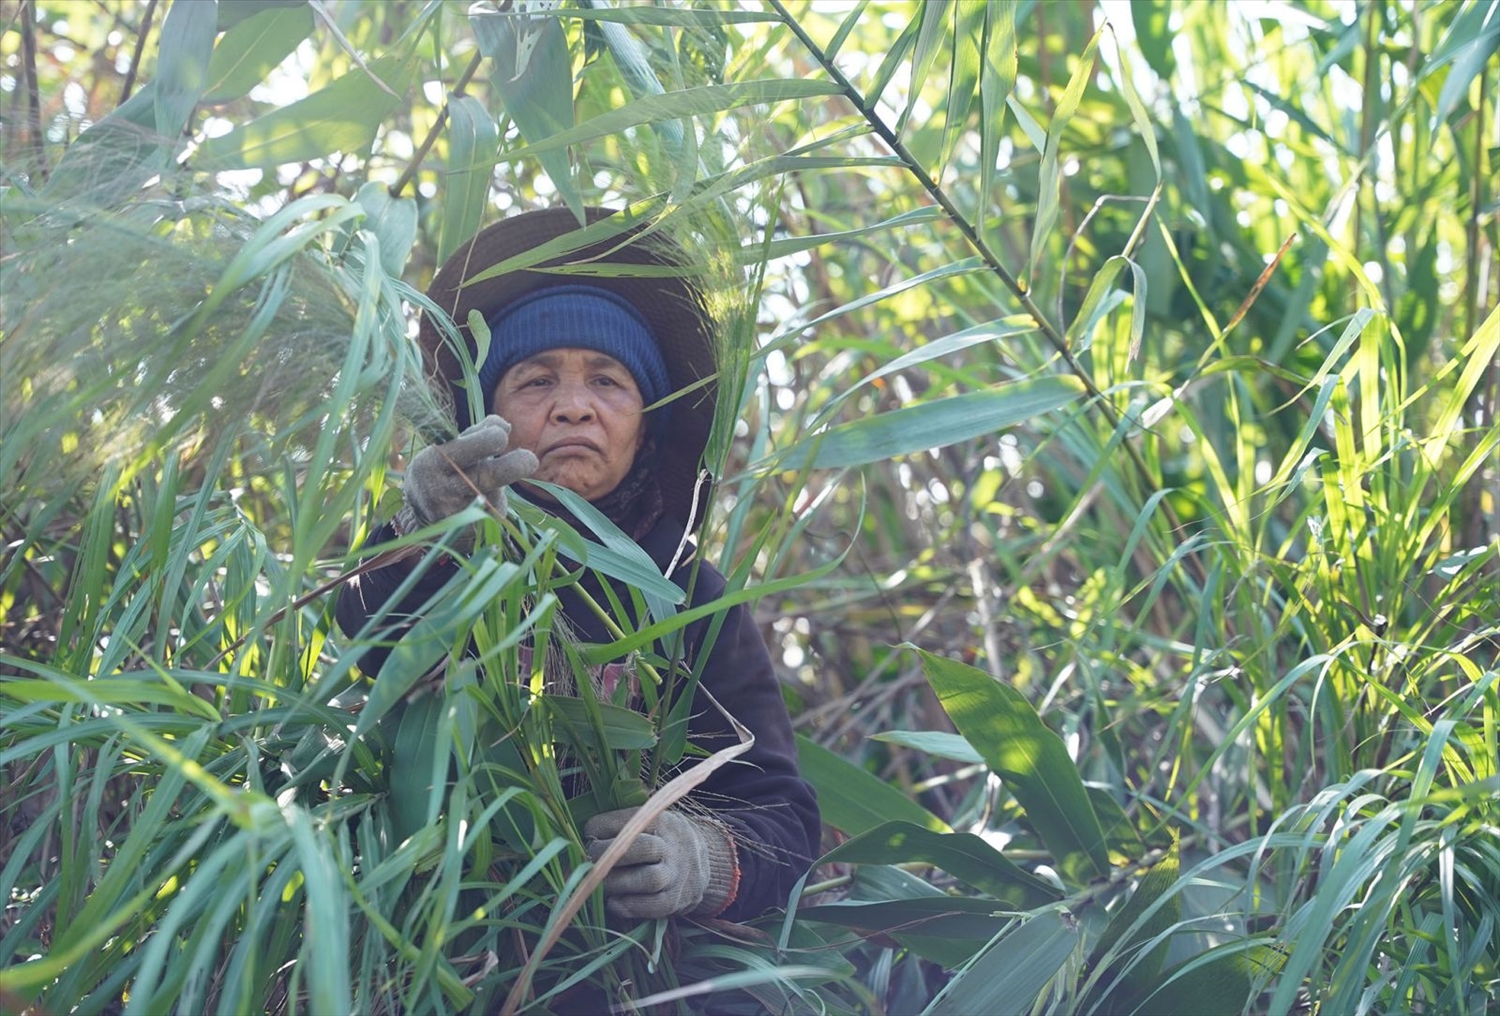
(933, 424)
(1025, 753)
(1049, 186)
(854, 800)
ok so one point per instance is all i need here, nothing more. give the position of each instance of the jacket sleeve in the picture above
(363, 596)
(772, 811)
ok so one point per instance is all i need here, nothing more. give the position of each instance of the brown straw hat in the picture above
(537, 250)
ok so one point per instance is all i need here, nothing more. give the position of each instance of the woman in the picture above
(570, 373)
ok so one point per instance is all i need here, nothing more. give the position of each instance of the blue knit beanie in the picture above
(580, 317)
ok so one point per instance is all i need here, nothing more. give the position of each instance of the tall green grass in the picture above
(1148, 369)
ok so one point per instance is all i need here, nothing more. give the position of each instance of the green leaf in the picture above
(1120, 834)
(473, 147)
(1150, 20)
(677, 17)
(533, 75)
(1217, 983)
(435, 635)
(1008, 975)
(968, 33)
(682, 103)
(1131, 925)
(850, 22)
(933, 742)
(933, 424)
(616, 554)
(394, 223)
(965, 856)
(1471, 40)
(787, 245)
(948, 930)
(631, 641)
(1095, 305)
(939, 926)
(892, 60)
(1478, 357)
(991, 331)
(250, 50)
(232, 12)
(418, 766)
(933, 30)
(1033, 130)
(624, 729)
(123, 690)
(187, 45)
(1049, 186)
(996, 80)
(852, 799)
(342, 117)
(1297, 114)
(326, 917)
(1028, 756)
(1147, 128)
(953, 270)
(630, 57)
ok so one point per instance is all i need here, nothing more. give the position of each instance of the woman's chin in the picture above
(582, 486)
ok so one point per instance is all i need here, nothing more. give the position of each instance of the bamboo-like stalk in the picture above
(140, 48)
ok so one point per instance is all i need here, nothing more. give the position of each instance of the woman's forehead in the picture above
(558, 356)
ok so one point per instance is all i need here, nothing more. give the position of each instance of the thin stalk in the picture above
(826, 885)
(33, 88)
(140, 46)
(1049, 331)
(437, 127)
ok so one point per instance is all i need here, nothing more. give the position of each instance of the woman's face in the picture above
(579, 411)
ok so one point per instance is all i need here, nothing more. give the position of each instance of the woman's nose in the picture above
(572, 403)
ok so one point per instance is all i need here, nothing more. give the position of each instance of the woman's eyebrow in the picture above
(548, 358)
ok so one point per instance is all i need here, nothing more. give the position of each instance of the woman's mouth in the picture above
(573, 445)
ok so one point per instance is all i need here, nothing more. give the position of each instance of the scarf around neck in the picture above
(634, 506)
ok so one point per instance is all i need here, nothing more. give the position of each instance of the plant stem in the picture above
(437, 127)
(33, 88)
(825, 885)
(1049, 331)
(140, 46)
(1055, 338)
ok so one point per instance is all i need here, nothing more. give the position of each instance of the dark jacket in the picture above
(771, 809)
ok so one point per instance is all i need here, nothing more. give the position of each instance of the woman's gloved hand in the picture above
(444, 479)
(679, 865)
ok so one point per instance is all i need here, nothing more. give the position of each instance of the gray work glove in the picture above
(444, 479)
(679, 865)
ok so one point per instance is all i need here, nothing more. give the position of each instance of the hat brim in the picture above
(537, 250)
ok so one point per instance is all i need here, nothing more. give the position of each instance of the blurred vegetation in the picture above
(1108, 446)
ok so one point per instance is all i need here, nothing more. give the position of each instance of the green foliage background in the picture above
(1108, 445)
